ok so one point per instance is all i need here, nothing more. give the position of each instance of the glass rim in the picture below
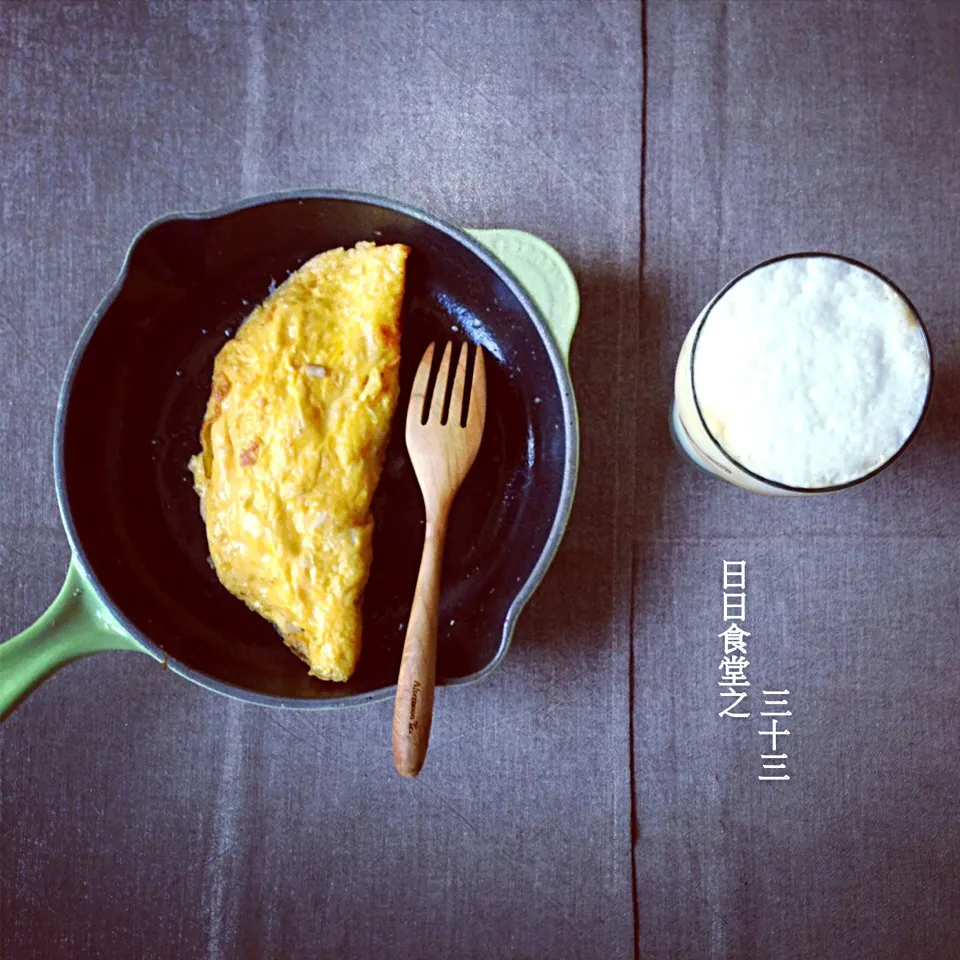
(811, 255)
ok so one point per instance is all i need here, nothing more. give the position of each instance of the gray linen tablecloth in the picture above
(586, 801)
(142, 816)
(775, 127)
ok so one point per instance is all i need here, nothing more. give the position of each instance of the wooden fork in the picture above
(442, 452)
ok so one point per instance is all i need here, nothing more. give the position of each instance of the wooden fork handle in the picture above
(413, 709)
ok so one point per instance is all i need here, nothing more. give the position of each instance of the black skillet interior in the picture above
(133, 417)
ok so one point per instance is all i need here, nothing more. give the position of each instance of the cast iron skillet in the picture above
(128, 421)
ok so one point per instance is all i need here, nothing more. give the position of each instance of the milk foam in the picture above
(811, 371)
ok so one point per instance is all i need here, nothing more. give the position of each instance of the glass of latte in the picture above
(806, 374)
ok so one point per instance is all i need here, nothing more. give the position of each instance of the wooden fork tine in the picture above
(455, 416)
(418, 396)
(478, 395)
(440, 387)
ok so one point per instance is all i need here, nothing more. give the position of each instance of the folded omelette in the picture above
(293, 442)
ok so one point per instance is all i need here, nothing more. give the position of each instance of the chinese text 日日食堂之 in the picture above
(733, 666)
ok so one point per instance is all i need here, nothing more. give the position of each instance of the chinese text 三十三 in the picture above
(775, 761)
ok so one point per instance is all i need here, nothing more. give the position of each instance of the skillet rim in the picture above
(550, 547)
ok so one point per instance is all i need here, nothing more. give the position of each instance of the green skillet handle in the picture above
(543, 273)
(75, 625)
